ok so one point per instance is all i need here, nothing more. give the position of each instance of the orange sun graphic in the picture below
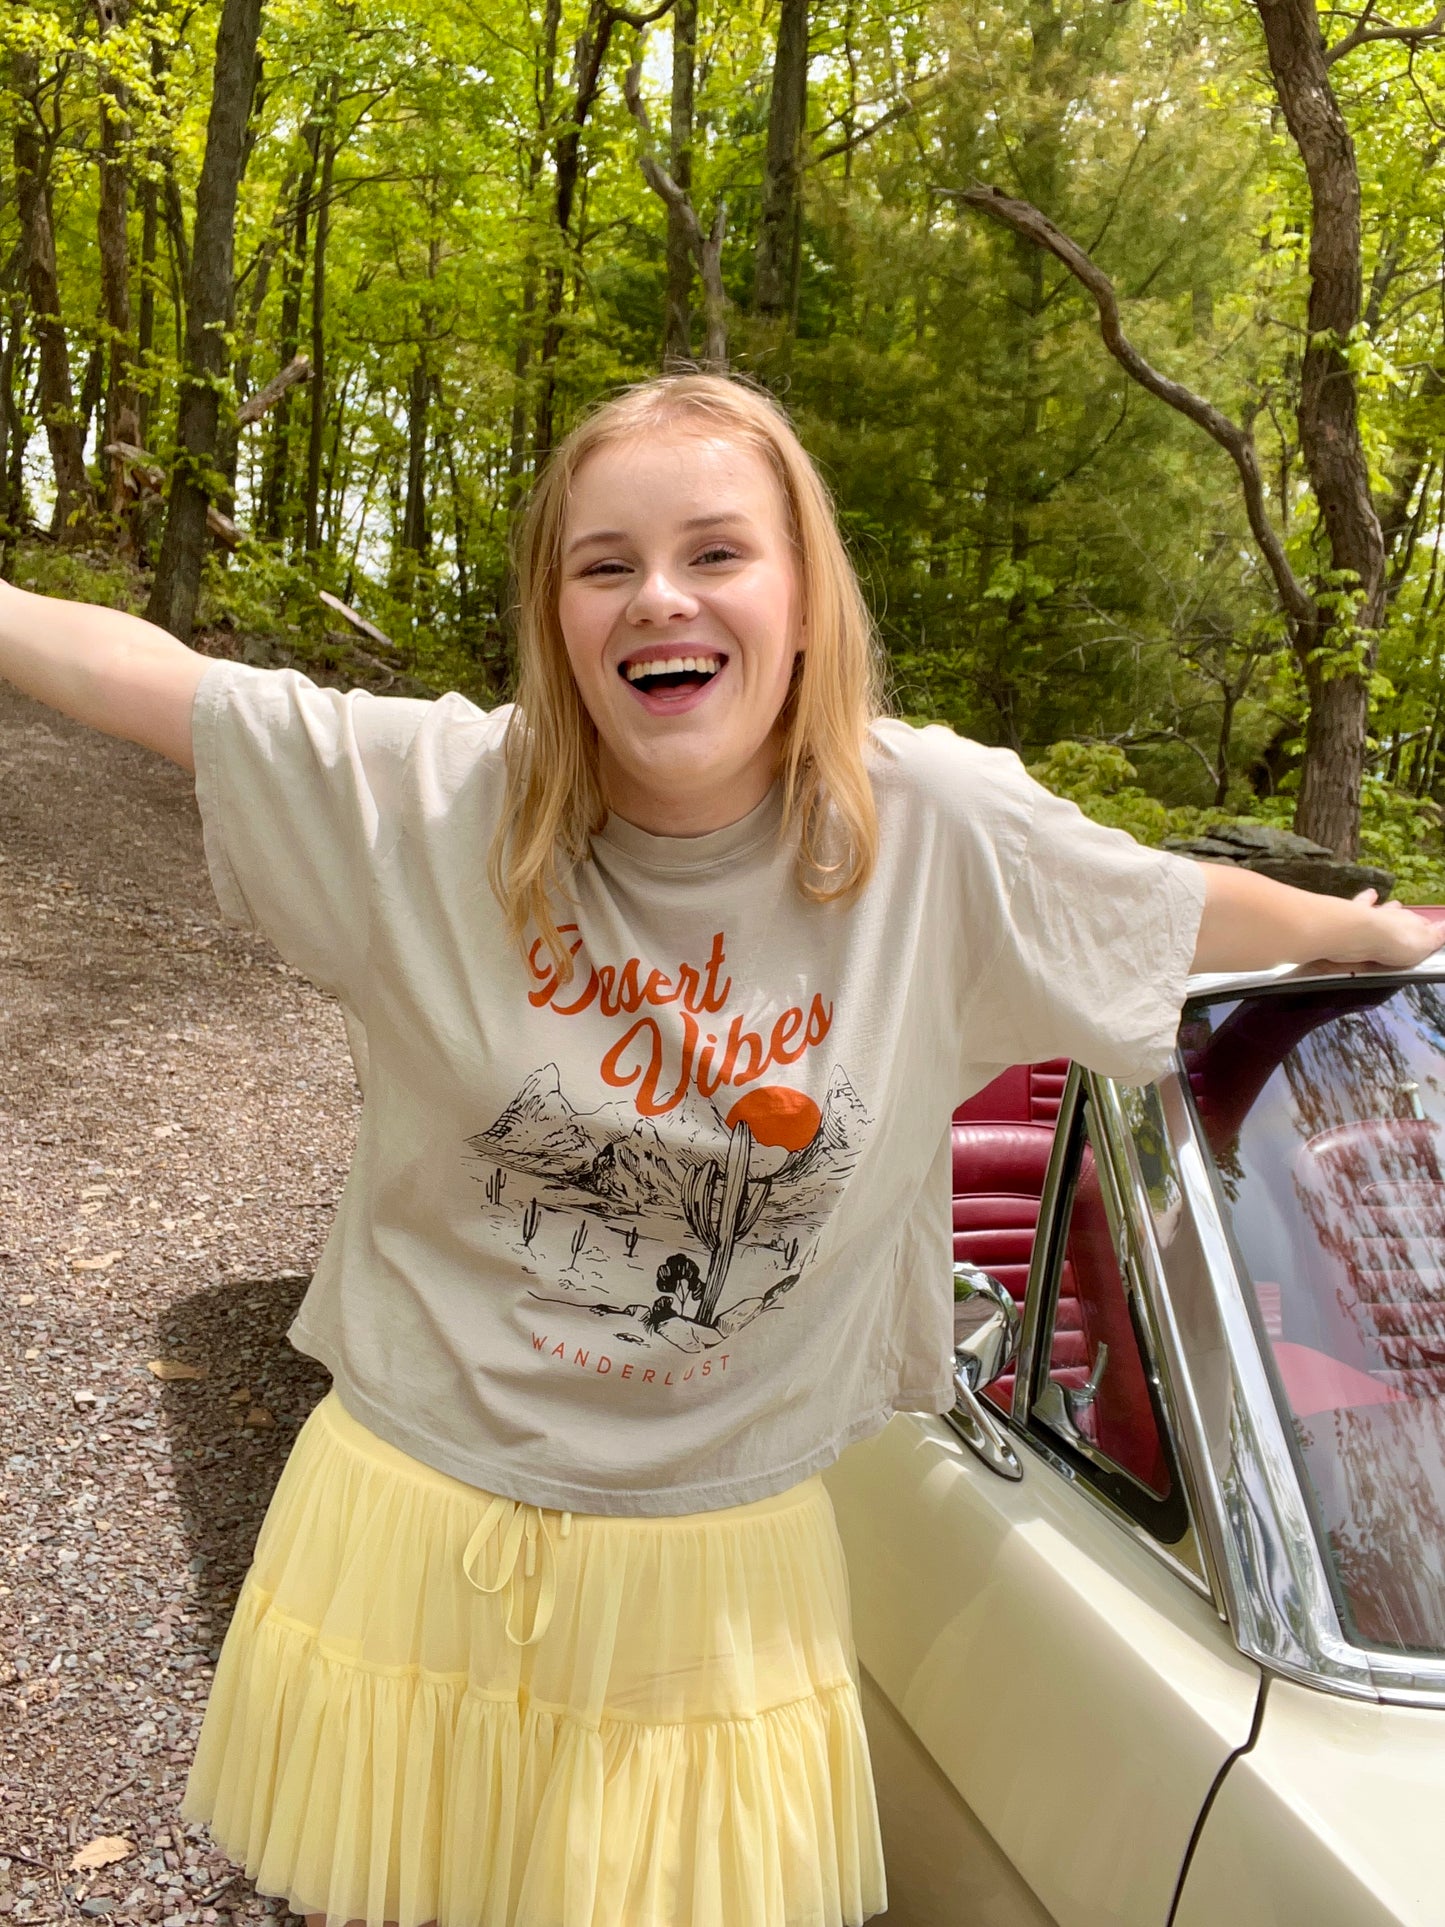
(777, 1116)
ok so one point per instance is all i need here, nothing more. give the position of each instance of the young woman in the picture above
(670, 977)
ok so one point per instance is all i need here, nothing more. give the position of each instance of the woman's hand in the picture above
(1253, 923)
(1391, 934)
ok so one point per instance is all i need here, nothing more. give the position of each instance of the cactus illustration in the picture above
(722, 1201)
(721, 1205)
(579, 1240)
(495, 1184)
(631, 1241)
(790, 1254)
(531, 1218)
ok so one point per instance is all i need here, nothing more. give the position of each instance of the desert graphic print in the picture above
(672, 1217)
(671, 1243)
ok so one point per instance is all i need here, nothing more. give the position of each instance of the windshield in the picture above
(1325, 1112)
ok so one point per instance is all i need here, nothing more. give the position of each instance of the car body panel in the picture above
(1125, 1695)
(1091, 1707)
(1335, 1817)
(943, 1868)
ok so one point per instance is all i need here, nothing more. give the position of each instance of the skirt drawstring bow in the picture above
(526, 1531)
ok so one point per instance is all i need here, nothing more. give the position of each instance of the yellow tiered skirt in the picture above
(438, 1705)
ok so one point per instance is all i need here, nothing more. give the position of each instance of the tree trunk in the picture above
(276, 469)
(677, 315)
(777, 228)
(317, 425)
(247, 334)
(12, 483)
(122, 401)
(414, 519)
(714, 295)
(592, 45)
(1329, 428)
(210, 297)
(12, 415)
(522, 355)
(1333, 774)
(521, 360)
(74, 499)
(149, 196)
(92, 390)
(145, 333)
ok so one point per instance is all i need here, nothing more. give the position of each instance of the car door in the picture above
(1047, 1674)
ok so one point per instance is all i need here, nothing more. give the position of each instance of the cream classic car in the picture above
(1152, 1626)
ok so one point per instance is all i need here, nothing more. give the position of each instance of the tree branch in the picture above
(640, 20)
(1361, 32)
(1026, 220)
(900, 111)
(655, 174)
(267, 397)
(706, 248)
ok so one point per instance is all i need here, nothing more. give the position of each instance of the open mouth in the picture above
(671, 675)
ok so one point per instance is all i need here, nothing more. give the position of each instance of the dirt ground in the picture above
(177, 1110)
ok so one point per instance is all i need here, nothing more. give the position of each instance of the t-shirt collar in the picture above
(677, 853)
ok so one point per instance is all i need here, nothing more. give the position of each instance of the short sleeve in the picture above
(1098, 942)
(298, 789)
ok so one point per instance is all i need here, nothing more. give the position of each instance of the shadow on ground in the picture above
(226, 1458)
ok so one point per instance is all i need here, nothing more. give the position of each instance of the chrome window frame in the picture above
(1185, 1556)
(1259, 1530)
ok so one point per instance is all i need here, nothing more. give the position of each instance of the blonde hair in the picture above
(553, 800)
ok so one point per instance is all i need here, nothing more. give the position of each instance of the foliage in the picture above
(1402, 833)
(1052, 556)
(1103, 782)
(1399, 832)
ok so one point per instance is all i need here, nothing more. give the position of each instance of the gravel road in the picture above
(177, 1111)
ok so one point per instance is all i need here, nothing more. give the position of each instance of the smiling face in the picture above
(679, 608)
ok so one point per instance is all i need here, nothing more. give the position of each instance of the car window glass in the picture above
(1324, 1111)
(1094, 1393)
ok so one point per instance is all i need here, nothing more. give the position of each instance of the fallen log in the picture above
(358, 622)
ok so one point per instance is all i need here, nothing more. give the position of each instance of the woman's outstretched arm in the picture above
(1252, 923)
(110, 670)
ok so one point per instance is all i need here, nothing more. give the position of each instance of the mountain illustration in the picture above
(845, 1121)
(808, 1174)
(538, 1132)
(633, 1172)
(630, 1168)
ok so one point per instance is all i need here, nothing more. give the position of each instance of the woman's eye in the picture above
(718, 552)
(605, 567)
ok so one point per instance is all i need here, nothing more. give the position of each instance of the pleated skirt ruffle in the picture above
(434, 1705)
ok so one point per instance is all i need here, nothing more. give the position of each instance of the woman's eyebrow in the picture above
(713, 519)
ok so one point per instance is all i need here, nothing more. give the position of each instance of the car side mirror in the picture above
(988, 1318)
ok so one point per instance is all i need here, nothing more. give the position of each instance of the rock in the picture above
(1261, 839)
(1330, 878)
(1285, 857)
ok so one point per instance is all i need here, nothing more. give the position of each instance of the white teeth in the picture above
(674, 666)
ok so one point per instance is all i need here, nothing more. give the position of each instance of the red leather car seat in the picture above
(1120, 1421)
(1001, 1142)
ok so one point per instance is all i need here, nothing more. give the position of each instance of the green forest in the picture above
(1116, 326)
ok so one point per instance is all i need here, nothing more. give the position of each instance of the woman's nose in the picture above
(657, 598)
